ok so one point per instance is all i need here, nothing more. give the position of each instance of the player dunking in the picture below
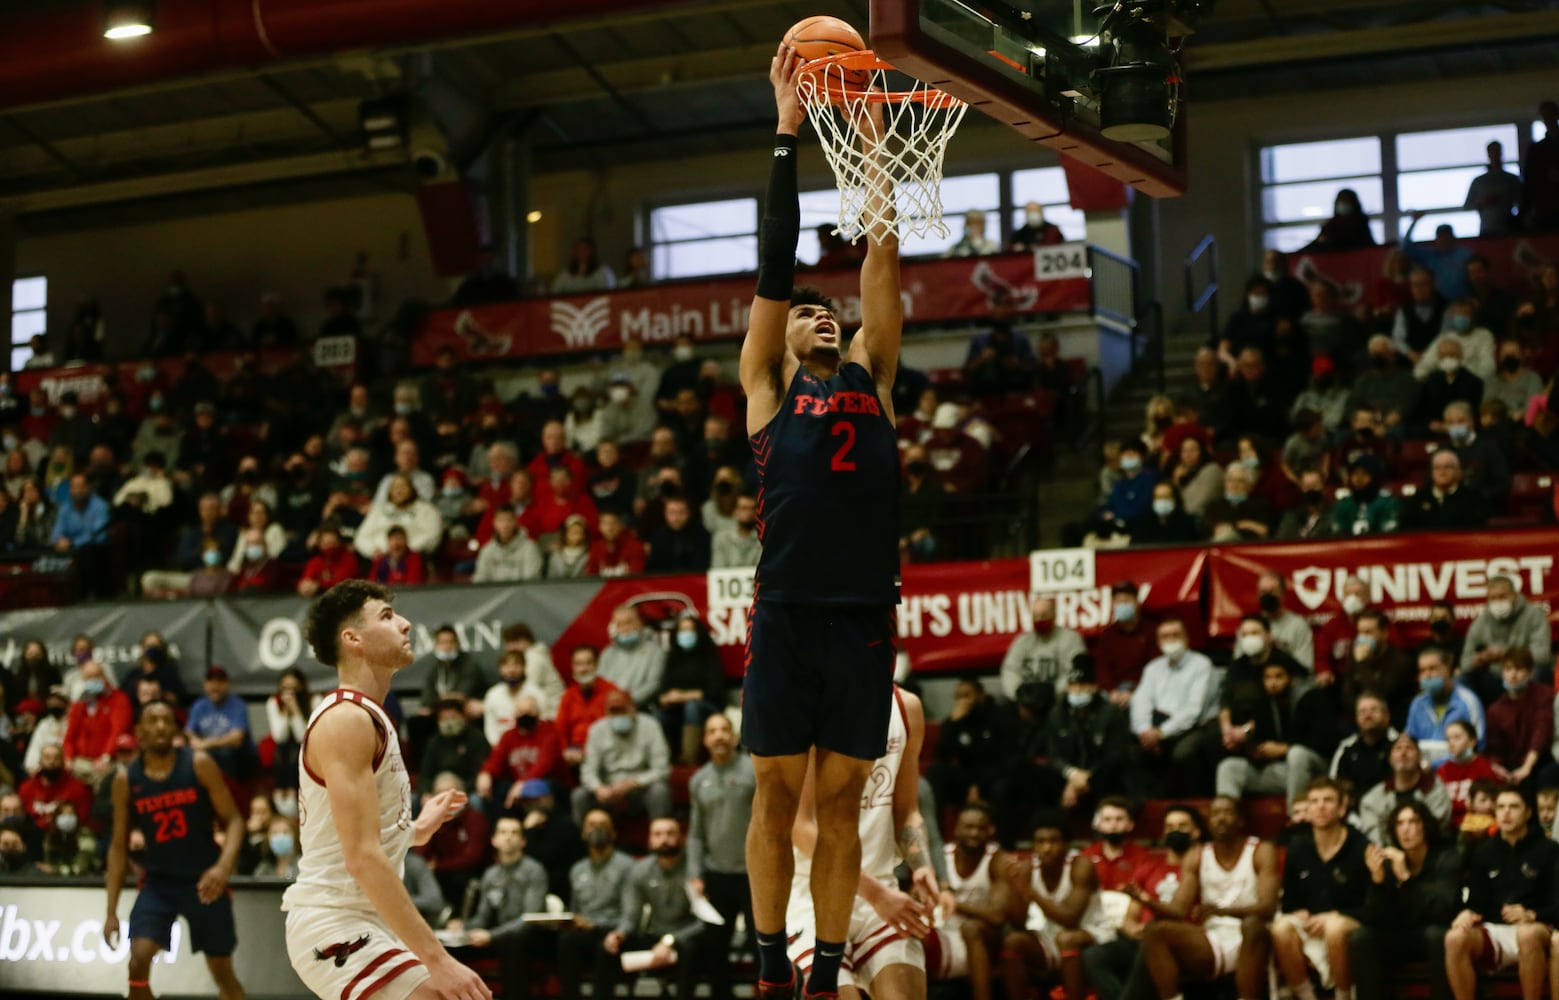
(171, 796)
(352, 930)
(820, 632)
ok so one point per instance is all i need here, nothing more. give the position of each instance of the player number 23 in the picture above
(842, 461)
(170, 825)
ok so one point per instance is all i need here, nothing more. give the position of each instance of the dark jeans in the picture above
(516, 950)
(693, 960)
(731, 895)
(580, 952)
(1376, 951)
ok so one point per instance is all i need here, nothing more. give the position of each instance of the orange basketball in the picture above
(822, 36)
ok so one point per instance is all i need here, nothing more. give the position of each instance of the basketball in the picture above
(822, 36)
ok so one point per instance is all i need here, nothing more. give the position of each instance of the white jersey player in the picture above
(974, 904)
(883, 952)
(1060, 897)
(352, 930)
(1232, 884)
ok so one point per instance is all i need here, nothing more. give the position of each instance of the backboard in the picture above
(1102, 88)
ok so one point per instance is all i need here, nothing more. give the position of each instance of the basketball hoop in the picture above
(882, 178)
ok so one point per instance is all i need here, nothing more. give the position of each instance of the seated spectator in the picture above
(658, 915)
(1330, 329)
(1444, 504)
(279, 856)
(737, 544)
(1409, 781)
(100, 715)
(1238, 514)
(1130, 496)
(1477, 344)
(1288, 745)
(1511, 886)
(622, 418)
(1089, 743)
(1036, 230)
(1413, 893)
(81, 532)
(1000, 360)
(1521, 723)
(1244, 695)
(1166, 522)
(522, 501)
(973, 747)
(1368, 508)
(582, 705)
(1442, 633)
(514, 886)
(51, 787)
(1387, 387)
(958, 460)
(219, 724)
(1324, 883)
(1312, 518)
(457, 851)
(331, 562)
(1044, 655)
(153, 664)
(551, 835)
(1290, 632)
(69, 846)
(1212, 381)
(635, 661)
(1442, 701)
(49, 727)
(555, 454)
(1451, 384)
(585, 271)
(1507, 622)
(617, 552)
(493, 488)
(418, 520)
(1376, 664)
(1251, 401)
(529, 750)
(1515, 383)
(1364, 759)
(1347, 229)
(1126, 644)
(1195, 475)
(1306, 448)
(1463, 766)
(510, 555)
(398, 565)
(610, 484)
(692, 687)
(626, 766)
(1485, 468)
(457, 748)
(598, 883)
(500, 705)
(1419, 321)
(1251, 324)
(1178, 695)
(571, 556)
(973, 242)
(681, 545)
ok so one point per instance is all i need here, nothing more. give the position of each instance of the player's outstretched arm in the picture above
(876, 345)
(346, 771)
(763, 351)
(114, 878)
(213, 881)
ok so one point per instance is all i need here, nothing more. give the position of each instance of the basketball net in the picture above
(888, 178)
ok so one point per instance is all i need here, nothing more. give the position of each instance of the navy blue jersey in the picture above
(174, 814)
(828, 494)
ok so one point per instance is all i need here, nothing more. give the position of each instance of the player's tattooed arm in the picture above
(914, 848)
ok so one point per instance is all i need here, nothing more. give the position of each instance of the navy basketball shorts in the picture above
(818, 675)
(161, 902)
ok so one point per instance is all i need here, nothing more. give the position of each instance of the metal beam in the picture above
(306, 111)
(633, 76)
(48, 147)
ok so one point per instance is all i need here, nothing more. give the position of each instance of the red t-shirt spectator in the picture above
(622, 557)
(1458, 777)
(41, 797)
(1176, 433)
(541, 466)
(329, 568)
(547, 514)
(521, 756)
(408, 569)
(576, 713)
(93, 724)
(958, 461)
(1133, 866)
(1119, 655)
(459, 847)
(256, 577)
(1520, 723)
(495, 494)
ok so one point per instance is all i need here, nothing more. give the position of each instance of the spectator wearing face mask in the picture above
(692, 687)
(1290, 632)
(635, 660)
(1507, 622)
(49, 730)
(1312, 516)
(14, 856)
(1515, 384)
(1036, 230)
(1177, 696)
(1044, 654)
(529, 750)
(1442, 700)
(1238, 514)
(1421, 319)
(92, 725)
(1477, 343)
(42, 794)
(500, 706)
(1347, 229)
(1369, 508)
(1088, 741)
(453, 674)
(1244, 693)
(1251, 324)
(626, 766)
(1378, 666)
(681, 374)
(1462, 767)
(1167, 522)
(331, 562)
(457, 747)
(1452, 383)
(69, 846)
(1125, 646)
(1521, 723)
(1484, 467)
(279, 856)
(622, 419)
(1130, 496)
(583, 702)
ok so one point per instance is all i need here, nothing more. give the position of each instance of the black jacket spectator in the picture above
(1439, 392)
(1176, 527)
(1251, 408)
(1303, 719)
(974, 747)
(1337, 884)
(463, 755)
(1525, 873)
(1422, 324)
(1097, 738)
(1485, 469)
(1425, 511)
(1243, 693)
(1431, 898)
(1363, 764)
(682, 550)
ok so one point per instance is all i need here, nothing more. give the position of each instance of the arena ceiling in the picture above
(648, 84)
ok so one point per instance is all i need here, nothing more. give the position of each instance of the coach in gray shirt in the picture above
(721, 792)
(627, 764)
(658, 913)
(514, 886)
(635, 660)
(596, 886)
(1043, 655)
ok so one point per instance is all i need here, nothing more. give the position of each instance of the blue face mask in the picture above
(211, 557)
(281, 844)
(1458, 432)
(1130, 463)
(621, 724)
(687, 640)
(1461, 324)
(1515, 688)
(1125, 612)
(92, 688)
(627, 640)
(1163, 508)
(1077, 699)
(1235, 498)
(1432, 684)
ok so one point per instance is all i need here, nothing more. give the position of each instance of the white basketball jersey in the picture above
(1094, 920)
(322, 875)
(1228, 888)
(879, 840)
(976, 889)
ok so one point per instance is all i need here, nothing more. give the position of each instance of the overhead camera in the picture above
(1139, 85)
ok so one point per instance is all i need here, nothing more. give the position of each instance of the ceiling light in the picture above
(383, 122)
(533, 216)
(124, 19)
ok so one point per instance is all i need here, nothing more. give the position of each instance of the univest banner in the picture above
(1405, 574)
(1052, 279)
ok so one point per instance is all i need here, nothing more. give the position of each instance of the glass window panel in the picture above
(818, 207)
(1431, 189)
(1071, 221)
(25, 324)
(19, 356)
(733, 217)
(1046, 185)
(808, 247)
(1292, 202)
(959, 194)
(1455, 147)
(932, 245)
(29, 293)
(1464, 224)
(1306, 161)
(718, 256)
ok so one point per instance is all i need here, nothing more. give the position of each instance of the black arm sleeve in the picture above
(781, 224)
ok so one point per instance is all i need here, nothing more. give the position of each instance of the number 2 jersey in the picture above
(322, 876)
(175, 817)
(828, 494)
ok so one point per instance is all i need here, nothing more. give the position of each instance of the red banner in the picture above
(1405, 575)
(1053, 279)
(91, 381)
(1514, 263)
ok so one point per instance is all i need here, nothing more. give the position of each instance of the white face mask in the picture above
(1352, 603)
(1501, 609)
(1174, 649)
(682, 352)
(1252, 645)
(1450, 365)
(618, 393)
(1035, 219)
